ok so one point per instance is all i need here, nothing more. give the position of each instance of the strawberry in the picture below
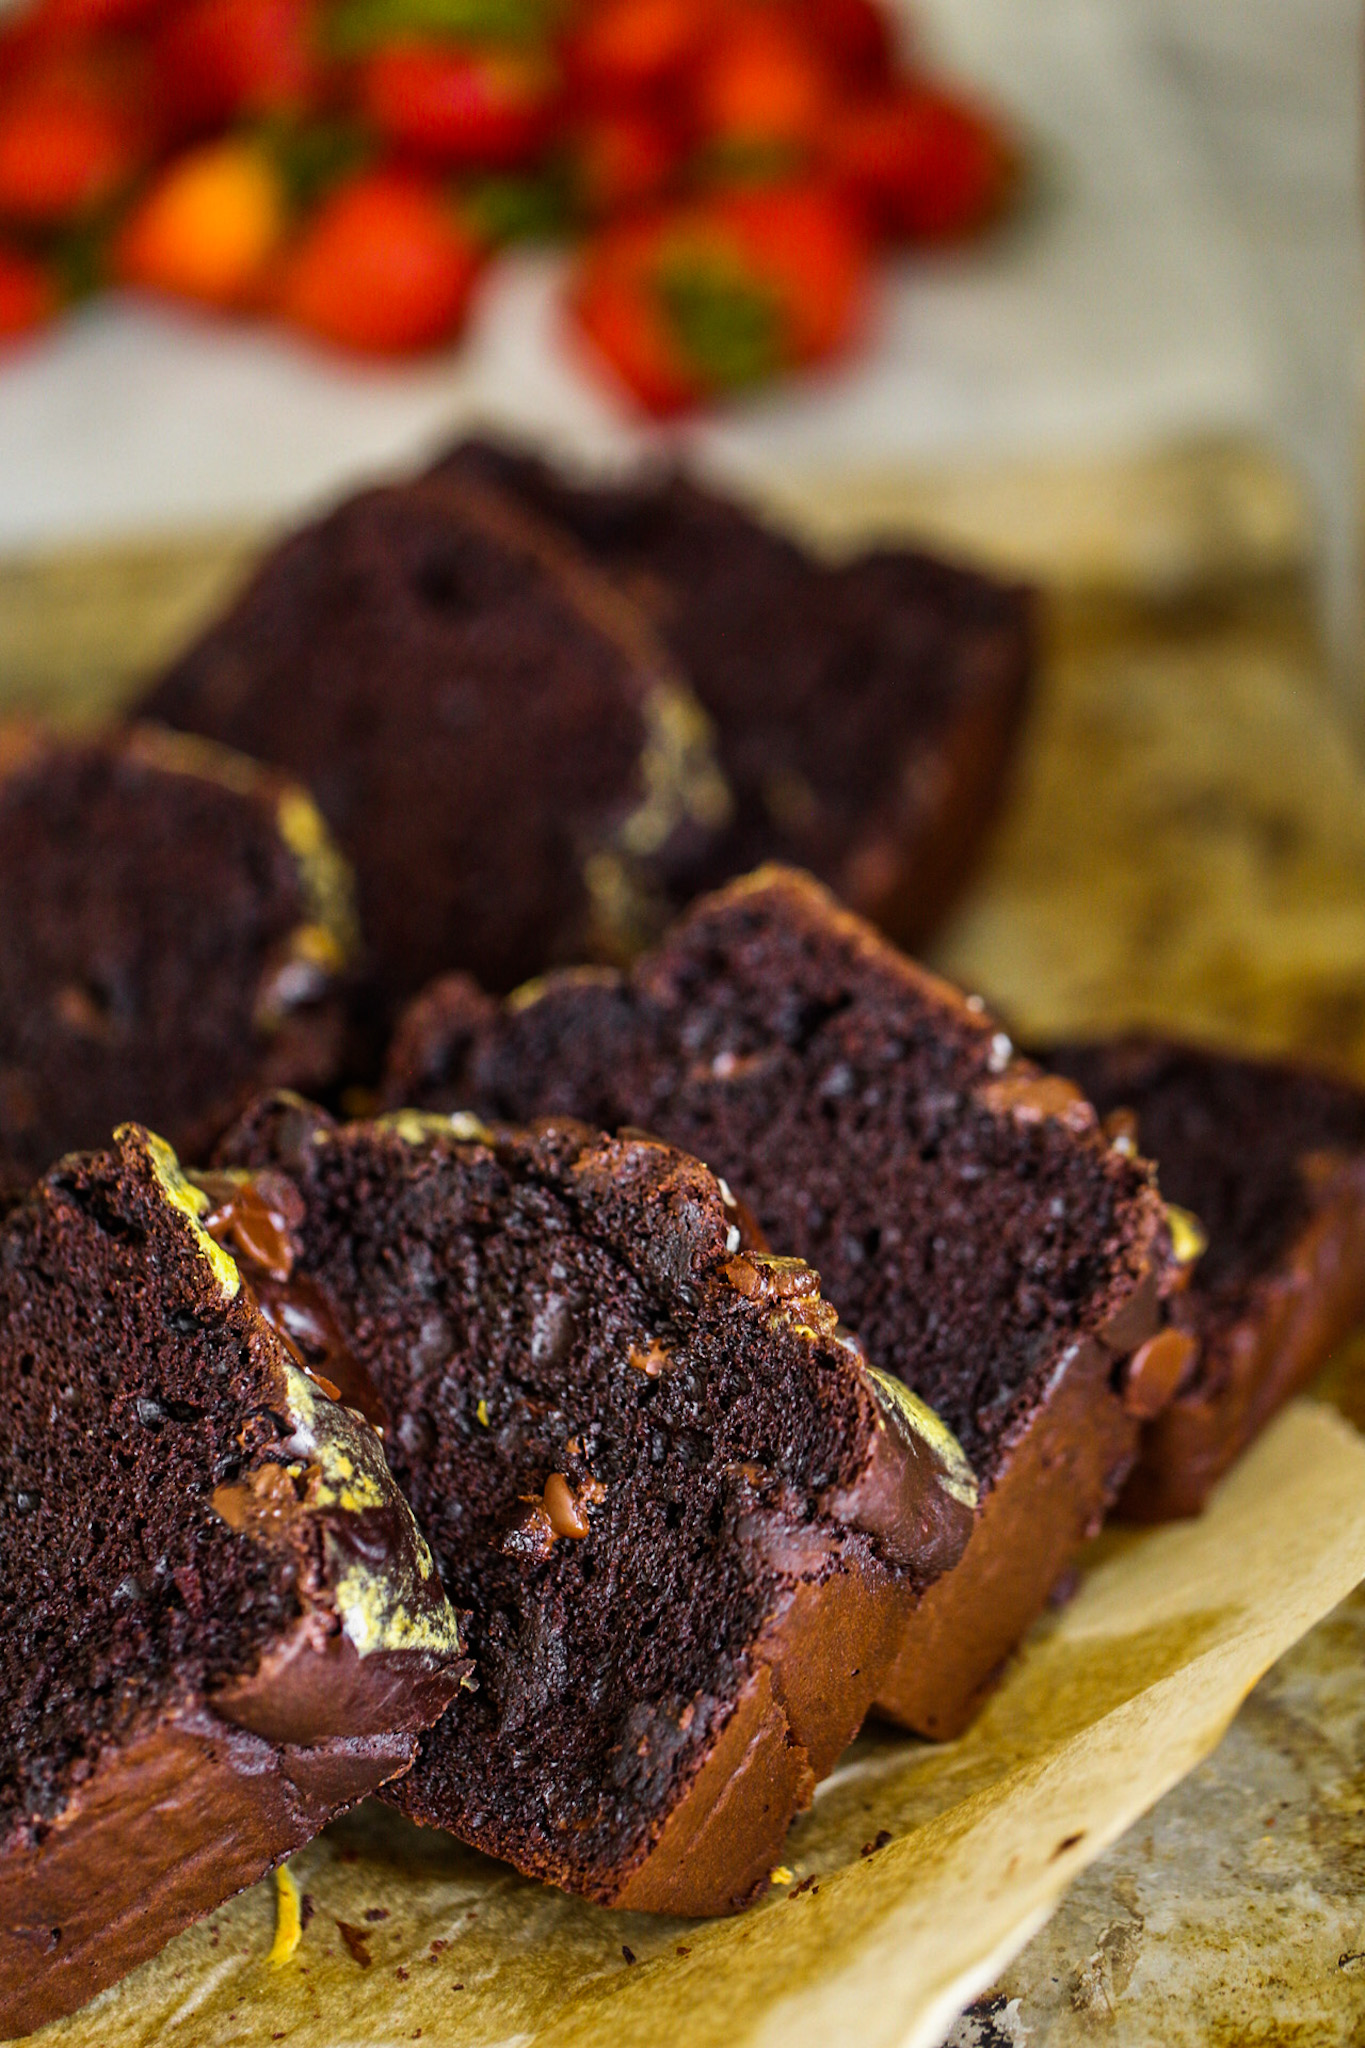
(97, 17)
(217, 60)
(614, 306)
(68, 144)
(761, 86)
(386, 267)
(854, 37)
(207, 227)
(621, 162)
(625, 51)
(28, 296)
(811, 253)
(922, 165)
(491, 107)
(722, 294)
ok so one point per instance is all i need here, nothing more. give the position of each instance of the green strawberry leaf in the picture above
(729, 328)
(314, 155)
(508, 206)
(355, 27)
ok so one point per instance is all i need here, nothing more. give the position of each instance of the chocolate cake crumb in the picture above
(678, 1582)
(980, 1235)
(1268, 1156)
(865, 711)
(219, 1623)
(175, 928)
(499, 740)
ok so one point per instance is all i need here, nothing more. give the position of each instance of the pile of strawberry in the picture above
(729, 168)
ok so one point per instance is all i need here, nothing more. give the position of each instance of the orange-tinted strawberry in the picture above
(208, 226)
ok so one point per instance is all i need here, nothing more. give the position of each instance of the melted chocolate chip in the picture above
(250, 1218)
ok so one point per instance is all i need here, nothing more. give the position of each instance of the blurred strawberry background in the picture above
(729, 167)
(250, 249)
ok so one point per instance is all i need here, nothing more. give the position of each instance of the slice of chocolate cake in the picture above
(689, 1521)
(174, 925)
(218, 1623)
(1268, 1158)
(865, 713)
(496, 736)
(978, 1232)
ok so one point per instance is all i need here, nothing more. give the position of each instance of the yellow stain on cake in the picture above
(1189, 1239)
(325, 875)
(190, 1201)
(418, 1126)
(373, 1620)
(288, 1918)
(957, 1478)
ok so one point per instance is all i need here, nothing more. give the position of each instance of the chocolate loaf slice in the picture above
(979, 1233)
(865, 713)
(218, 1623)
(687, 1518)
(1269, 1159)
(175, 925)
(497, 738)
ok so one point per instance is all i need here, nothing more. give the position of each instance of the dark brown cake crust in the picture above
(866, 713)
(220, 1625)
(977, 1230)
(688, 1519)
(175, 926)
(1269, 1156)
(497, 737)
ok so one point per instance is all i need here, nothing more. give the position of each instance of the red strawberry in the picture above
(68, 143)
(854, 37)
(216, 60)
(762, 83)
(722, 294)
(385, 267)
(627, 50)
(28, 297)
(622, 161)
(922, 165)
(490, 107)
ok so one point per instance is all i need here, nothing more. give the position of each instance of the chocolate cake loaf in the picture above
(174, 927)
(688, 1519)
(865, 713)
(1269, 1159)
(497, 738)
(979, 1233)
(218, 1623)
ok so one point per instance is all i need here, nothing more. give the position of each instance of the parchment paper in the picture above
(1114, 1698)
